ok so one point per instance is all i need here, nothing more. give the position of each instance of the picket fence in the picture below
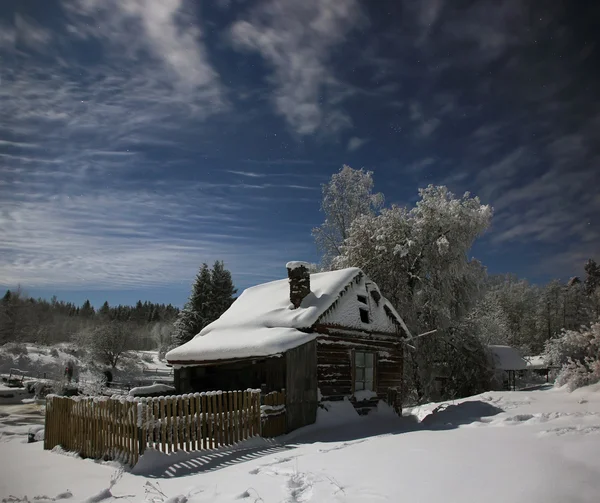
(123, 428)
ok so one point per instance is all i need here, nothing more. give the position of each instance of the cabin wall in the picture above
(301, 385)
(335, 363)
(267, 372)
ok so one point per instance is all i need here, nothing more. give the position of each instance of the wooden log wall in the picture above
(122, 429)
(335, 365)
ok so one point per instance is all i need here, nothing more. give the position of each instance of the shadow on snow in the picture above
(443, 417)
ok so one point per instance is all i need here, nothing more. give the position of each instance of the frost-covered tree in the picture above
(108, 342)
(488, 320)
(347, 196)
(592, 287)
(419, 259)
(578, 353)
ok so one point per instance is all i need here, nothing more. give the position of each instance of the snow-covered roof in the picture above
(507, 358)
(262, 321)
(536, 362)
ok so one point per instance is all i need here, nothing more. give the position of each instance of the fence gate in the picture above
(273, 414)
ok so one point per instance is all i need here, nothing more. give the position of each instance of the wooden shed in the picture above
(507, 361)
(321, 337)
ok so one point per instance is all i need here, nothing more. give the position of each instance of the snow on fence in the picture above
(123, 428)
(272, 414)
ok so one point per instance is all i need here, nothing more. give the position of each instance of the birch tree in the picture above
(347, 196)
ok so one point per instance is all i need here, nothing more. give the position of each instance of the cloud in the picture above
(355, 143)
(171, 35)
(88, 237)
(297, 39)
(424, 126)
(30, 34)
(418, 166)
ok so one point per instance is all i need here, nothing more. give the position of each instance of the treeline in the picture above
(515, 312)
(26, 319)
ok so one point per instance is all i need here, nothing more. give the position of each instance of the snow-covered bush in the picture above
(54, 353)
(578, 353)
(575, 374)
(15, 348)
(147, 358)
(91, 383)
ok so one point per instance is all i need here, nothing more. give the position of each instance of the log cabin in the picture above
(322, 337)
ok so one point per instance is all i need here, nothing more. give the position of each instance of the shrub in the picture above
(578, 353)
(16, 348)
(54, 353)
(147, 358)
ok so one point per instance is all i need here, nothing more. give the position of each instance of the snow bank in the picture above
(152, 389)
(364, 394)
(507, 358)
(296, 264)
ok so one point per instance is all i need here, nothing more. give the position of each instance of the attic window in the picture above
(362, 298)
(376, 296)
(364, 315)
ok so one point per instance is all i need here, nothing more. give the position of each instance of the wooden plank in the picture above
(222, 420)
(145, 424)
(198, 423)
(163, 424)
(227, 413)
(204, 423)
(248, 414)
(237, 418)
(216, 423)
(192, 405)
(181, 422)
(136, 430)
(209, 429)
(157, 424)
(172, 425)
(242, 415)
(186, 411)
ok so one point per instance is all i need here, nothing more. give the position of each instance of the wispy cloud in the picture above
(296, 39)
(355, 143)
(125, 237)
(84, 203)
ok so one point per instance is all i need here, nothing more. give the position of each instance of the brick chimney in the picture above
(299, 277)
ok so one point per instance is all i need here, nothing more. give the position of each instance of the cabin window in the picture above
(364, 367)
(364, 315)
(376, 296)
(362, 298)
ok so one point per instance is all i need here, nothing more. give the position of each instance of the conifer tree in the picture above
(222, 289)
(196, 313)
(212, 294)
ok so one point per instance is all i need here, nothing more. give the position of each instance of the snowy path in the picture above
(497, 447)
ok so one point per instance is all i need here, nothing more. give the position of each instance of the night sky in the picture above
(139, 139)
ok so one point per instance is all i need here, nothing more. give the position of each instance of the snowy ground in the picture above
(530, 446)
(38, 362)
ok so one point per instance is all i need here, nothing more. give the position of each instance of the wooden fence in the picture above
(273, 414)
(113, 428)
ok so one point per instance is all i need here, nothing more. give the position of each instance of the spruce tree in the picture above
(196, 313)
(212, 294)
(223, 289)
